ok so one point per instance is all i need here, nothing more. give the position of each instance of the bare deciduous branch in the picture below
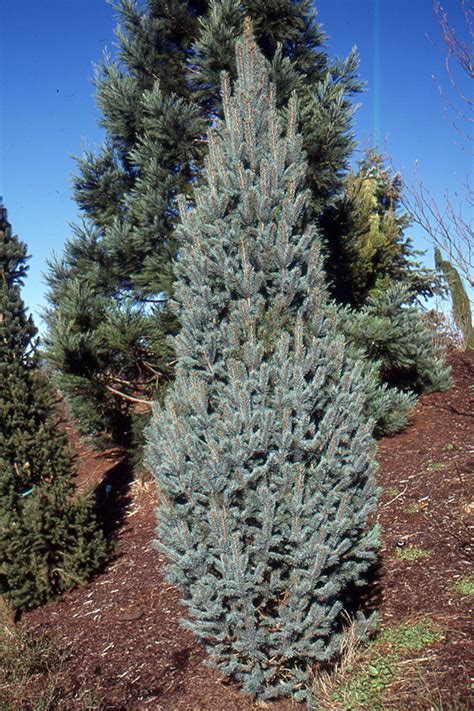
(446, 226)
(457, 52)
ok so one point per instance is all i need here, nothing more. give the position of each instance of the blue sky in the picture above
(47, 110)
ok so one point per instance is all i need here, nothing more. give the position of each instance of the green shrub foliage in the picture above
(261, 452)
(391, 332)
(459, 298)
(366, 227)
(108, 317)
(108, 313)
(49, 541)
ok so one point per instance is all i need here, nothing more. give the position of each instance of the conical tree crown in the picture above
(18, 359)
(245, 262)
(459, 298)
(261, 452)
(156, 98)
(48, 540)
(16, 328)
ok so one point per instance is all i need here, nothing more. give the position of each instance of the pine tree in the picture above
(374, 274)
(49, 540)
(109, 317)
(116, 269)
(262, 456)
(156, 100)
(391, 332)
(294, 44)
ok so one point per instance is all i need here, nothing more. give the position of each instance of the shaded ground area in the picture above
(120, 637)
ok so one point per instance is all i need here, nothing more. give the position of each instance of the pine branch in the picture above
(129, 398)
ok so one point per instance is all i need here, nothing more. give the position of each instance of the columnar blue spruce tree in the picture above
(261, 454)
(49, 539)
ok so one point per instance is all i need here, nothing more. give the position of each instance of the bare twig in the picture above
(446, 226)
(388, 503)
(457, 52)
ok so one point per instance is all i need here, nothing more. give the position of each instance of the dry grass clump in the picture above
(31, 673)
(365, 677)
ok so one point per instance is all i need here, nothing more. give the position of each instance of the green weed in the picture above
(412, 508)
(411, 636)
(412, 553)
(363, 684)
(465, 586)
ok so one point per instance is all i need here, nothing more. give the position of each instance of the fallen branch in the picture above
(130, 398)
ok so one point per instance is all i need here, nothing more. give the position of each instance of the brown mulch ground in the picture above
(120, 636)
(427, 476)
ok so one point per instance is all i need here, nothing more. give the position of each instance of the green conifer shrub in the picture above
(388, 405)
(391, 332)
(375, 276)
(366, 227)
(459, 298)
(261, 452)
(49, 539)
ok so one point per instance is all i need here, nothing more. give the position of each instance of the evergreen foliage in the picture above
(390, 332)
(293, 43)
(387, 405)
(49, 541)
(374, 275)
(156, 100)
(108, 316)
(369, 250)
(116, 268)
(261, 453)
(459, 298)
